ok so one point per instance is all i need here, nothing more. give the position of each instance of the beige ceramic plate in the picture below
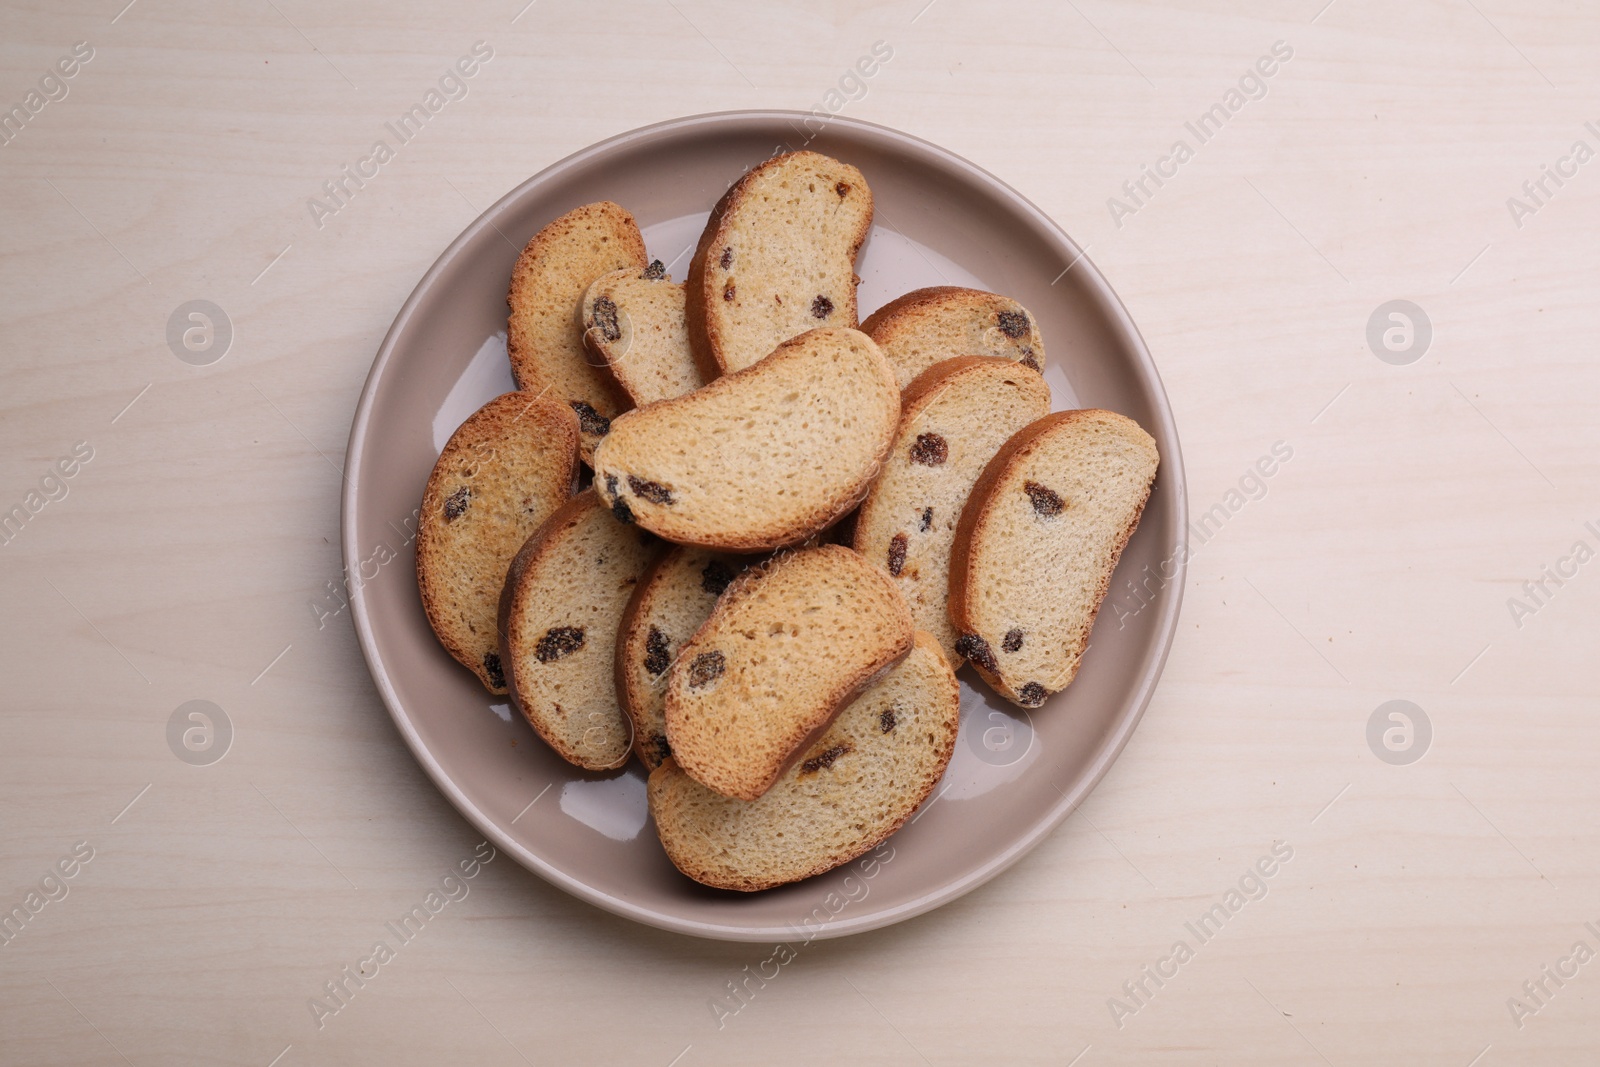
(1015, 776)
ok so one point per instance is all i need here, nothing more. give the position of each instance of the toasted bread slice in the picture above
(1038, 540)
(777, 258)
(924, 327)
(758, 459)
(544, 337)
(671, 602)
(790, 643)
(854, 787)
(501, 474)
(954, 418)
(564, 595)
(633, 320)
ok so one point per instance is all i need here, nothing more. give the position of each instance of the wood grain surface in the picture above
(1411, 507)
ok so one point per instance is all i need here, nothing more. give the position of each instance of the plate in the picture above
(940, 220)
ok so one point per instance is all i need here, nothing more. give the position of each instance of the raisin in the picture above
(824, 760)
(455, 505)
(621, 511)
(604, 319)
(654, 492)
(730, 290)
(663, 750)
(975, 649)
(930, 450)
(558, 643)
(842, 188)
(715, 577)
(897, 554)
(1013, 641)
(927, 520)
(887, 720)
(1047, 502)
(657, 656)
(611, 485)
(727, 257)
(1031, 695)
(491, 667)
(1013, 323)
(706, 668)
(655, 271)
(821, 307)
(591, 421)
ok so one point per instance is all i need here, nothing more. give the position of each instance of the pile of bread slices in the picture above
(796, 528)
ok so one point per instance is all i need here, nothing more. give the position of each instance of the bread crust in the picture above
(496, 420)
(749, 783)
(701, 344)
(690, 856)
(912, 301)
(705, 337)
(976, 521)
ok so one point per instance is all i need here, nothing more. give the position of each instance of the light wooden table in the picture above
(1378, 563)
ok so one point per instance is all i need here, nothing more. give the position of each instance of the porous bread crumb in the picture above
(1038, 542)
(777, 258)
(927, 326)
(501, 474)
(788, 644)
(565, 596)
(954, 418)
(853, 787)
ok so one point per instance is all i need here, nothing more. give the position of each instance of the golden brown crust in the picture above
(694, 302)
(496, 420)
(975, 522)
(917, 298)
(931, 382)
(705, 339)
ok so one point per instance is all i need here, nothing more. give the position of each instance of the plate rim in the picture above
(1166, 624)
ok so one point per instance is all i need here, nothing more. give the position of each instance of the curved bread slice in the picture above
(501, 474)
(1038, 540)
(789, 644)
(544, 337)
(924, 327)
(671, 602)
(759, 459)
(954, 418)
(777, 258)
(633, 320)
(854, 787)
(564, 596)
